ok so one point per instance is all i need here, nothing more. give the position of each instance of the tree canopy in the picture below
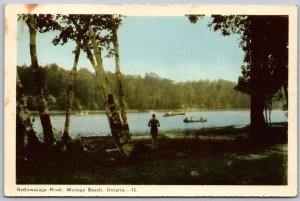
(264, 40)
(142, 93)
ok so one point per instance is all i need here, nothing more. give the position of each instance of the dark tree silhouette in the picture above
(264, 40)
(24, 124)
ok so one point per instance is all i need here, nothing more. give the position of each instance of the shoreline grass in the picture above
(57, 112)
(199, 158)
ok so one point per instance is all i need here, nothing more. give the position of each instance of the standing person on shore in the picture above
(154, 123)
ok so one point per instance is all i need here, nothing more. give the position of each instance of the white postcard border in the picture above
(11, 189)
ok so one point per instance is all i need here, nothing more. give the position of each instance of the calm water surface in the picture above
(97, 124)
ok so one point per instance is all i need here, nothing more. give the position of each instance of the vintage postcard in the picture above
(150, 100)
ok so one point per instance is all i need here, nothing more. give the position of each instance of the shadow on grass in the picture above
(220, 156)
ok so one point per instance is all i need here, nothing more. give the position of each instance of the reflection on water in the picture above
(97, 124)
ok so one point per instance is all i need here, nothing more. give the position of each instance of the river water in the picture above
(97, 124)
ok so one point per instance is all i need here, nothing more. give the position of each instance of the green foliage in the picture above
(142, 93)
(75, 27)
(194, 18)
(264, 39)
(229, 24)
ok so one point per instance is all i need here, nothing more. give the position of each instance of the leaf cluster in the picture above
(194, 18)
(74, 27)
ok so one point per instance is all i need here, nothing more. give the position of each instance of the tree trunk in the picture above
(119, 84)
(258, 124)
(258, 100)
(24, 124)
(97, 72)
(285, 88)
(266, 113)
(42, 103)
(123, 143)
(259, 58)
(70, 93)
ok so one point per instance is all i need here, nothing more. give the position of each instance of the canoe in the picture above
(202, 120)
(169, 114)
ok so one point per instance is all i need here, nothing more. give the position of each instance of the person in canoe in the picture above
(154, 124)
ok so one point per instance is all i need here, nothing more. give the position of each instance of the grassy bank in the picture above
(205, 157)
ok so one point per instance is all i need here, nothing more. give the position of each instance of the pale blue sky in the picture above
(171, 47)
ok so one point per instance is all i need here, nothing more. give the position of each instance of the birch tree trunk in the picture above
(94, 65)
(24, 124)
(119, 83)
(42, 103)
(123, 143)
(70, 93)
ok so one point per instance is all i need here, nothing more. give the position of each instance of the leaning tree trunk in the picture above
(42, 103)
(94, 65)
(70, 93)
(119, 84)
(24, 124)
(122, 142)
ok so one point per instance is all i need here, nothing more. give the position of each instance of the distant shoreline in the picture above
(84, 112)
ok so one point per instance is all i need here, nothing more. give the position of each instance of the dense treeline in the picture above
(141, 93)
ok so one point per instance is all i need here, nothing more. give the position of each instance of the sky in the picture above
(171, 47)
